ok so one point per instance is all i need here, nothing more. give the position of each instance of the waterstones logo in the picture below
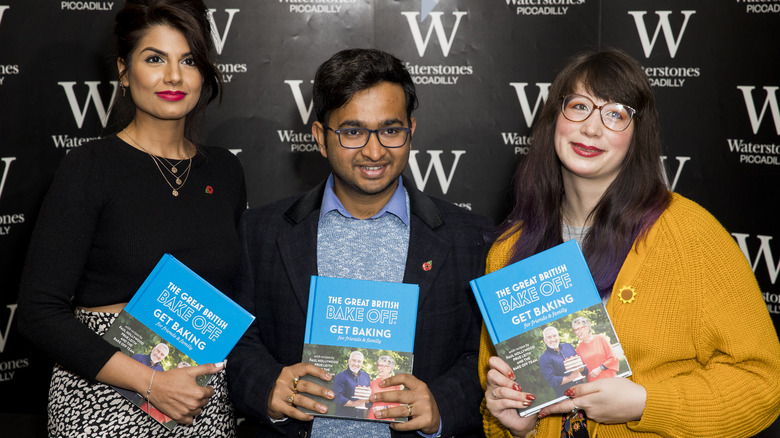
(86, 6)
(751, 152)
(761, 6)
(764, 254)
(755, 153)
(299, 141)
(303, 109)
(6, 169)
(80, 111)
(65, 141)
(443, 177)
(438, 74)
(680, 164)
(219, 39)
(8, 220)
(664, 76)
(316, 6)
(435, 74)
(7, 69)
(520, 142)
(436, 25)
(543, 7)
(229, 70)
(672, 42)
(8, 368)
(529, 114)
(770, 102)
(670, 76)
(4, 336)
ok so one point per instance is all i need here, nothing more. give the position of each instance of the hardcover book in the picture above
(176, 319)
(547, 321)
(360, 332)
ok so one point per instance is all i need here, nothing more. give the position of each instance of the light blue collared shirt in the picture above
(396, 205)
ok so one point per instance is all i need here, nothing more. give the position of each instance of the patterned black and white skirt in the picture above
(78, 408)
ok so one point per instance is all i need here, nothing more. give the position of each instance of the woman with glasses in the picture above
(682, 297)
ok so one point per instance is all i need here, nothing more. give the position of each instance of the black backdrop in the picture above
(483, 67)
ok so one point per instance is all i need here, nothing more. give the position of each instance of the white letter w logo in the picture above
(771, 101)
(219, 40)
(529, 113)
(436, 25)
(772, 267)
(93, 96)
(663, 24)
(435, 163)
(300, 102)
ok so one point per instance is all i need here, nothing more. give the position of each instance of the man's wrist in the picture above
(434, 435)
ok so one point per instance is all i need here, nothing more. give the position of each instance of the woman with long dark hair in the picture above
(116, 205)
(683, 299)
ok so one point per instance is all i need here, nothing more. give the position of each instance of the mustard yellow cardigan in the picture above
(697, 334)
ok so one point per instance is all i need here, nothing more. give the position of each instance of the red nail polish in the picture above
(530, 397)
(512, 375)
(517, 387)
(541, 415)
(525, 403)
(570, 392)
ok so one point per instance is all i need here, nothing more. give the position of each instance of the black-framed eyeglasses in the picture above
(356, 138)
(614, 116)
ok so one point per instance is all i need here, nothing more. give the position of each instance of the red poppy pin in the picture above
(209, 190)
(427, 265)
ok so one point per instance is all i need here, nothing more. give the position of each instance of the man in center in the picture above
(364, 222)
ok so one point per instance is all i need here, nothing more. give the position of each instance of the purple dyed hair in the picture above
(629, 206)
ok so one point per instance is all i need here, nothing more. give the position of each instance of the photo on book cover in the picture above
(356, 375)
(580, 347)
(147, 347)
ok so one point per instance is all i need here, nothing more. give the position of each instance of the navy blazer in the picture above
(279, 257)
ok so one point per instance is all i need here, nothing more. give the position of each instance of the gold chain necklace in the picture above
(174, 169)
(158, 161)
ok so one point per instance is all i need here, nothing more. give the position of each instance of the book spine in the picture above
(483, 309)
(310, 310)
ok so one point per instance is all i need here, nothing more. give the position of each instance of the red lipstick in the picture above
(171, 95)
(585, 151)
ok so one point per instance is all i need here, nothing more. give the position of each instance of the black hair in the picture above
(190, 17)
(353, 70)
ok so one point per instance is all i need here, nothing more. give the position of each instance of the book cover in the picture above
(547, 321)
(176, 319)
(359, 331)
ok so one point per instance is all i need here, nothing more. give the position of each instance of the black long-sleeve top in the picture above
(107, 219)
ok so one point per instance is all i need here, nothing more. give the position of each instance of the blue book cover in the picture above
(359, 331)
(547, 321)
(176, 319)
